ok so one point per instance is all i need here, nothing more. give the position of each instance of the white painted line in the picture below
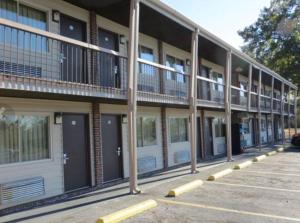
(272, 173)
(203, 206)
(254, 187)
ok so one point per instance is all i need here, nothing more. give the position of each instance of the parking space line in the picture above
(278, 164)
(272, 173)
(255, 187)
(202, 206)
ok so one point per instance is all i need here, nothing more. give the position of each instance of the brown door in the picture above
(208, 139)
(75, 151)
(109, 64)
(112, 147)
(73, 57)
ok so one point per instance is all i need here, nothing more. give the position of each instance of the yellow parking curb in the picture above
(243, 165)
(128, 212)
(271, 153)
(259, 158)
(281, 149)
(184, 188)
(219, 174)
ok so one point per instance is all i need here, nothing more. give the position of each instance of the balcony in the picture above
(210, 92)
(292, 109)
(239, 98)
(162, 84)
(276, 105)
(265, 103)
(254, 101)
(39, 61)
(286, 107)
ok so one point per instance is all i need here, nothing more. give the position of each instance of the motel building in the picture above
(94, 93)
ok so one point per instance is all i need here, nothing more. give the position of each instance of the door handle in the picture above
(65, 158)
(119, 151)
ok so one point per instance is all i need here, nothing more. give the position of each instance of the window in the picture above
(245, 127)
(178, 65)
(28, 16)
(146, 53)
(204, 71)
(220, 127)
(220, 80)
(23, 138)
(146, 131)
(178, 130)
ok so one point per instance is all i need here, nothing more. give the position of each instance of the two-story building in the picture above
(93, 93)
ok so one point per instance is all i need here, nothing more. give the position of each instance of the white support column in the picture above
(259, 108)
(193, 101)
(295, 111)
(272, 113)
(282, 113)
(249, 87)
(289, 111)
(132, 90)
(228, 105)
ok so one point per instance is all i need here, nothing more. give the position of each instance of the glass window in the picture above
(178, 65)
(146, 53)
(23, 138)
(178, 130)
(220, 80)
(146, 131)
(220, 127)
(27, 16)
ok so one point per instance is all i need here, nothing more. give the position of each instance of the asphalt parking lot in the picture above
(267, 191)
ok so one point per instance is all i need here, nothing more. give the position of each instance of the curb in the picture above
(281, 149)
(272, 153)
(184, 188)
(259, 158)
(219, 174)
(243, 165)
(128, 212)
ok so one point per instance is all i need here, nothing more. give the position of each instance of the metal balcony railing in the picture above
(160, 83)
(265, 103)
(239, 96)
(276, 105)
(286, 107)
(32, 59)
(254, 100)
(210, 90)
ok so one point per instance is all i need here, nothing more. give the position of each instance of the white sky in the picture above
(221, 17)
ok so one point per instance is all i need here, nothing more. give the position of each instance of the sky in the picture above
(221, 17)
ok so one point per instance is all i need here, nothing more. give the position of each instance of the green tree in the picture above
(274, 39)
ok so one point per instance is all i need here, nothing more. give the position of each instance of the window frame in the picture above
(141, 117)
(50, 139)
(178, 130)
(177, 75)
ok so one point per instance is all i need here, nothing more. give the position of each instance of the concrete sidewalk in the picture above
(90, 206)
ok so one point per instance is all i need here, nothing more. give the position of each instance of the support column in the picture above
(132, 90)
(249, 87)
(98, 156)
(228, 106)
(164, 137)
(193, 101)
(94, 78)
(202, 129)
(272, 113)
(259, 109)
(282, 113)
(295, 111)
(289, 111)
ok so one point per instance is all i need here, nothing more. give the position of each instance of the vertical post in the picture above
(132, 90)
(295, 111)
(289, 111)
(272, 112)
(228, 106)
(193, 101)
(249, 87)
(259, 108)
(282, 113)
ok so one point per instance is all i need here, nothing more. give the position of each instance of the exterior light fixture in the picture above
(188, 62)
(55, 16)
(122, 39)
(57, 118)
(124, 119)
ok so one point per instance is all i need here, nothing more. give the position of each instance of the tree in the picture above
(274, 39)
